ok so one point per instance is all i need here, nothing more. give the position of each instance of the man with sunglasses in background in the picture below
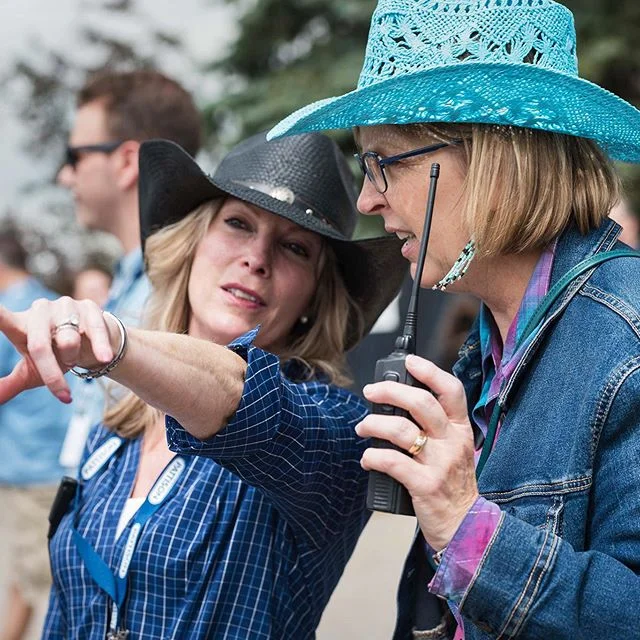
(116, 111)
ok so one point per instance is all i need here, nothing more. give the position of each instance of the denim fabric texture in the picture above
(565, 558)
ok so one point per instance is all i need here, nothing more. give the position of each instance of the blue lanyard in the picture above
(115, 585)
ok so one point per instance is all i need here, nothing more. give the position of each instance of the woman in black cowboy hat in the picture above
(248, 538)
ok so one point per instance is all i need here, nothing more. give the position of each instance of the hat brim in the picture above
(172, 185)
(516, 94)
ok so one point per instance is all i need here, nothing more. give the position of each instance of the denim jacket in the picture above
(565, 559)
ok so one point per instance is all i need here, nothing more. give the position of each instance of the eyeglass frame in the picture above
(387, 160)
(72, 154)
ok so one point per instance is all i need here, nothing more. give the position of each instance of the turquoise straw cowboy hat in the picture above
(503, 62)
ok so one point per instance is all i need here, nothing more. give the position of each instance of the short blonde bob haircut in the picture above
(318, 346)
(524, 187)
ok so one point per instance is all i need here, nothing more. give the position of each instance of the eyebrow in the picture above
(356, 138)
(379, 147)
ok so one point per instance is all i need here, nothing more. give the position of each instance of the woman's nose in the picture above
(370, 201)
(258, 257)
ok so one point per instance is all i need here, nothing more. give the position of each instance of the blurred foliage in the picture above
(608, 37)
(292, 52)
(288, 53)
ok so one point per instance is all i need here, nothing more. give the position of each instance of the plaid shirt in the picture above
(254, 539)
(465, 551)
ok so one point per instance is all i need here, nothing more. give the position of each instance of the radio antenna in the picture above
(406, 341)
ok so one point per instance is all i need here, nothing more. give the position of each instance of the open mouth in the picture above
(244, 295)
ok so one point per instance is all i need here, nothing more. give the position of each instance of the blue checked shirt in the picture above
(254, 539)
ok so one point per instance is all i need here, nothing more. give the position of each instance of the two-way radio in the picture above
(384, 493)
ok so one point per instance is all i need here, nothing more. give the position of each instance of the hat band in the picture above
(285, 194)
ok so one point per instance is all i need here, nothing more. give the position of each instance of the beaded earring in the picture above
(459, 268)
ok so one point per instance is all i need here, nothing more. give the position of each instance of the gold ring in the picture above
(72, 322)
(418, 444)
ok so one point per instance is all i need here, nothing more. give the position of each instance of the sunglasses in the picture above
(73, 154)
(373, 165)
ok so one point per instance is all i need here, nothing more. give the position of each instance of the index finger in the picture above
(13, 325)
(446, 386)
(420, 403)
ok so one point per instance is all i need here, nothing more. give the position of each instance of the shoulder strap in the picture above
(565, 281)
(539, 314)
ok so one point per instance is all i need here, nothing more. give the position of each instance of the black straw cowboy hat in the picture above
(302, 178)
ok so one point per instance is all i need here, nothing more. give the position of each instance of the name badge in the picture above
(99, 457)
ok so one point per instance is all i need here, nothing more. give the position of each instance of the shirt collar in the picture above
(130, 266)
(495, 355)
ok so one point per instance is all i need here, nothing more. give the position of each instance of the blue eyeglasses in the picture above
(373, 165)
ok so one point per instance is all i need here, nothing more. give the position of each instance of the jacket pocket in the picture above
(545, 513)
(542, 505)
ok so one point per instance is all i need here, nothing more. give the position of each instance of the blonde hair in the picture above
(524, 187)
(318, 346)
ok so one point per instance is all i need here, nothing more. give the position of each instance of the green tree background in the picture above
(287, 54)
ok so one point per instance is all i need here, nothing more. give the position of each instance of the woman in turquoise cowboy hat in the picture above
(523, 466)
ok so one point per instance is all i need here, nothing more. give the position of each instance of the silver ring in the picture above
(418, 444)
(72, 322)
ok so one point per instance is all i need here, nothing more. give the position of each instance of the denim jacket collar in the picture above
(572, 248)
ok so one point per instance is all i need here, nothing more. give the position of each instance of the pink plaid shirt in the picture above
(467, 547)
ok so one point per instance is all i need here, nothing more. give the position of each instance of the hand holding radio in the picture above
(383, 492)
(440, 479)
(422, 456)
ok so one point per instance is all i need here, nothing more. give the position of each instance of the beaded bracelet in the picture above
(91, 374)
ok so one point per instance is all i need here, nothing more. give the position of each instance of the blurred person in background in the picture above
(453, 328)
(116, 111)
(92, 280)
(32, 429)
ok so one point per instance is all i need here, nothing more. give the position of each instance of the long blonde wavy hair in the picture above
(319, 346)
